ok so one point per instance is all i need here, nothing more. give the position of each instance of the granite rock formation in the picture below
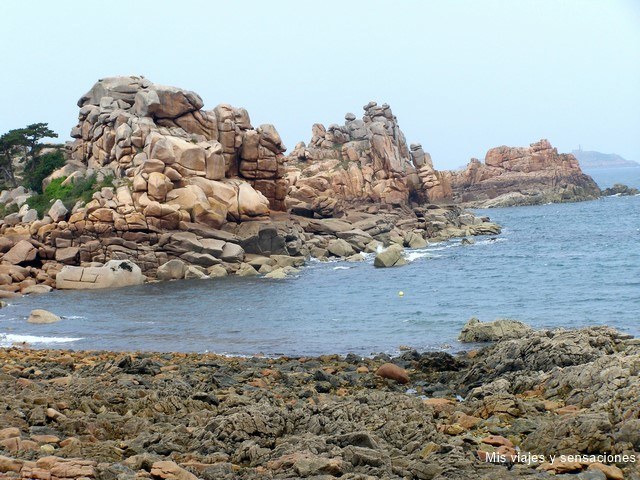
(207, 165)
(204, 193)
(363, 161)
(522, 176)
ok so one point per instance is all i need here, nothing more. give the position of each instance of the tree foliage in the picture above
(46, 164)
(26, 142)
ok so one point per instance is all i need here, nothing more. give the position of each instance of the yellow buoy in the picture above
(401, 293)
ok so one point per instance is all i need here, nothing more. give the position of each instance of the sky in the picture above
(462, 76)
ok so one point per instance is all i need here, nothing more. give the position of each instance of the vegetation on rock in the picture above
(68, 192)
(24, 143)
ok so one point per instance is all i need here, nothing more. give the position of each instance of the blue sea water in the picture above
(560, 265)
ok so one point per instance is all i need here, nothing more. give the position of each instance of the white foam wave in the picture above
(342, 268)
(416, 254)
(74, 317)
(8, 339)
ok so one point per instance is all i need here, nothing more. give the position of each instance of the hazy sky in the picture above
(461, 76)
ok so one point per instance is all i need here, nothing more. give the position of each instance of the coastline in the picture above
(178, 415)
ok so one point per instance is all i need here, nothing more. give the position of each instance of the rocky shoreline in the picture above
(195, 193)
(202, 193)
(115, 415)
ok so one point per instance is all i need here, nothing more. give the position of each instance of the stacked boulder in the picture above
(435, 185)
(362, 161)
(184, 181)
(183, 163)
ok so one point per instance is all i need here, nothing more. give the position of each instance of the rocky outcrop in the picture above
(513, 176)
(206, 165)
(363, 161)
(178, 171)
(368, 161)
(105, 415)
(620, 190)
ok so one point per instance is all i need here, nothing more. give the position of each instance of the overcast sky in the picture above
(461, 76)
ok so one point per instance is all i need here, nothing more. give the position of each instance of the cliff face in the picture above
(522, 176)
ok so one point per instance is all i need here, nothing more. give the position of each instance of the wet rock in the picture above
(393, 372)
(392, 256)
(476, 331)
(42, 316)
(246, 270)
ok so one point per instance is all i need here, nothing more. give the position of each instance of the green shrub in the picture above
(40, 168)
(39, 203)
(80, 189)
(8, 209)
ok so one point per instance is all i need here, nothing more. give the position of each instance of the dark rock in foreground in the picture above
(111, 415)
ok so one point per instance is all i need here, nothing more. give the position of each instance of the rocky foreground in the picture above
(109, 415)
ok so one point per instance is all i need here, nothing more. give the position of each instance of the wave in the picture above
(8, 339)
(342, 268)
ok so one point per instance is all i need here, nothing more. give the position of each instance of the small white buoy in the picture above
(401, 293)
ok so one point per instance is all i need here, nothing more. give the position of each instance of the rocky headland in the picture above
(593, 159)
(202, 193)
(569, 396)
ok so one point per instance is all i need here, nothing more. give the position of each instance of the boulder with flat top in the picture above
(114, 274)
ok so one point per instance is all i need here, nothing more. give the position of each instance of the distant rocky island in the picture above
(531, 175)
(593, 159)
(196, 193)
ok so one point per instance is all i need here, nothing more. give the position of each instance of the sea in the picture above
(553, 266)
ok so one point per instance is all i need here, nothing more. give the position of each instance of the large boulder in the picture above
(58, 211)
(390, 257)
(476, 331)
(114, 274)
(161, 101)
(42, 316)
(172, 270)
(340, 248)
(21, 252)
(232, 253)
(251, 203)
